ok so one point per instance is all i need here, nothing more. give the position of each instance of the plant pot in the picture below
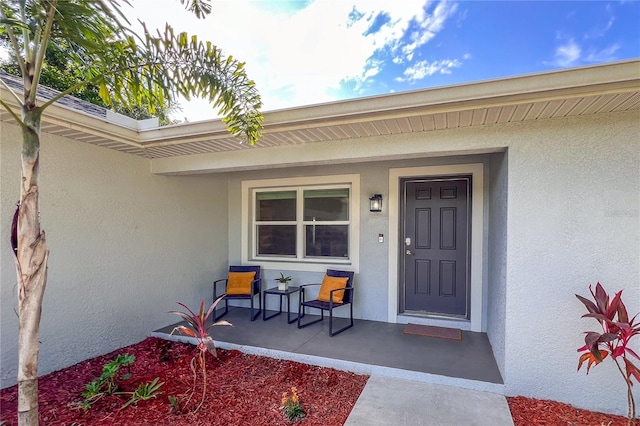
(283, 286)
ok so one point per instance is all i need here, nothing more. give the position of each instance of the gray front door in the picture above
(435, 246)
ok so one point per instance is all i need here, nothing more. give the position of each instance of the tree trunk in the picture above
(31, 267)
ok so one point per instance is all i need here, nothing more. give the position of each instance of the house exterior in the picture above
(500, 201)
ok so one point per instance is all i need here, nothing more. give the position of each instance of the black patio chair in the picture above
(331, 304)
(253, 291)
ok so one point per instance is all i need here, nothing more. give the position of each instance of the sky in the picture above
(303, 52)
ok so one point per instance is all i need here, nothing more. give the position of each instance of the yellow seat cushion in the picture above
(240, 282)
(332, 283)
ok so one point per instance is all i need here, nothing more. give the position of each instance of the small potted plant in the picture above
(283, 282)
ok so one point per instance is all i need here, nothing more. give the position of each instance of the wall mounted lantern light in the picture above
(375, 203)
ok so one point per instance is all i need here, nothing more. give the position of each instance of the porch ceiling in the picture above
(583, 91)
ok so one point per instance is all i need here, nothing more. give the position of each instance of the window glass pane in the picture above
(326, 204)
(276, 205)
(327, 241)
(277, 240)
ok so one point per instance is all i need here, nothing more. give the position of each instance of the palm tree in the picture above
(129, 70)
(61, 73)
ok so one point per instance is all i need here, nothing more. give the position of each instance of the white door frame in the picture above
(476, 170)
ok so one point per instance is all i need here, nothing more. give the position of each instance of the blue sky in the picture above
(309, 52)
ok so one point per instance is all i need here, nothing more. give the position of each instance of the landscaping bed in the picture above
(241, 390)
(529, 412)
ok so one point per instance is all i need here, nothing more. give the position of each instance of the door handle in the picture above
(408, 252)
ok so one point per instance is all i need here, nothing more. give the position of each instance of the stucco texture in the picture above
(496, 253)
(573, 220)
(125, 246)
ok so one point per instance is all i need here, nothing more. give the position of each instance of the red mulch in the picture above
(241, 390)
(528, 412)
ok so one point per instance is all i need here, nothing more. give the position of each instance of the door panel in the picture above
(423, 276)
(423, 228)
(436, 241)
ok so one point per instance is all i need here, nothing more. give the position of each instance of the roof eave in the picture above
(593, 80)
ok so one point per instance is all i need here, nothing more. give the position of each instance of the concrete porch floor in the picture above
(369, 347)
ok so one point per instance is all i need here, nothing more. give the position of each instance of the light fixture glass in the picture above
(375, 203)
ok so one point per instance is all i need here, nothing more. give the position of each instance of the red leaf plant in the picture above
(617, 332)
(199, 329)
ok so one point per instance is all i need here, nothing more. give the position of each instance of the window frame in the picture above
(300, 184)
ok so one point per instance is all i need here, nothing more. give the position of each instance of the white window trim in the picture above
(314, 264)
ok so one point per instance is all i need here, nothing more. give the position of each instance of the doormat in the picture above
(431, 331)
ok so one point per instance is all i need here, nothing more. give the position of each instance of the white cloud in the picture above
(424, 69)
(604, 55)
(300, 57)
(570, 53)
(428, 25)
(567, 54)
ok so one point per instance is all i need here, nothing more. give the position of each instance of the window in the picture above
(302, 224)
(326, 222)
(320, 216)
(276, 223)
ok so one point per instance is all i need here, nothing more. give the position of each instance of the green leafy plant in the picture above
(284, 282)
(198, 327)
(283, 279)
(144, 392)
(175, 405)
(291, 407)
(618, 330)
(106, 385)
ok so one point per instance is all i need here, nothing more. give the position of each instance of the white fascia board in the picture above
(74, 119)
(586, 81)
(553, 85)
(132, 123)
(592, 80)
(78, 120)
(183, 131)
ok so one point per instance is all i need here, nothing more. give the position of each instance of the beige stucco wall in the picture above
(125, 247)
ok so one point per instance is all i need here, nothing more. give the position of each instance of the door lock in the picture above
(407, 241)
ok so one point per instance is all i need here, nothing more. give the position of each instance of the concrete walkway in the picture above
(387, 401)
